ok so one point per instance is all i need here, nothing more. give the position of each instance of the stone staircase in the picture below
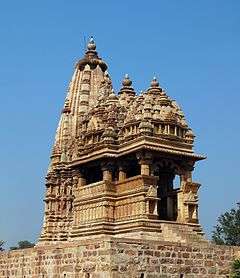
(183, 233)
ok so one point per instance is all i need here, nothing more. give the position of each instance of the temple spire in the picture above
(127, 88)
(155, 88)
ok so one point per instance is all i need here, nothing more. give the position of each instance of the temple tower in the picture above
(115, 161)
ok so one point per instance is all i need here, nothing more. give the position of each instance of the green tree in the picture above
(227, 230)
(1, 245)
(22, 245)
(235, 269)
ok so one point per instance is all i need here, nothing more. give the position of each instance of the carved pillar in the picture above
(145, 169)
(81, 178)
(145, 161)
(107, 169)
(122, 171)
(165, 129)
(185, 178)
(175, 130)
(188, 198)
(151, 200)
(122, 175)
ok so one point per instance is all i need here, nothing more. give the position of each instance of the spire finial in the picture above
(126, 81)
(155, 88)
(154, 82)
(91, 44)
(127, 86)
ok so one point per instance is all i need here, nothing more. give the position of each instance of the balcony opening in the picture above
(176, 182)
(133, 168)
(167, 206)
(93, 174)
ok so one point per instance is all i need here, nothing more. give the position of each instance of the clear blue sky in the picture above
(191, 46)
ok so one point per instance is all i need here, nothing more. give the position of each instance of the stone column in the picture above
(145, 160)
(122, 175)
(145, 169)
(82, 178)
(107, 169)
(185, 177)
(79, 180)
(188, 198)
(175, 130)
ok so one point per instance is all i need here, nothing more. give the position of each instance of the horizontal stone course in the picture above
(113, 257)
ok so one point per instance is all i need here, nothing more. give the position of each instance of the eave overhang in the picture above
(141, 143)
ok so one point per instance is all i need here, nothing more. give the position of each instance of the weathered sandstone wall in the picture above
(113, 258)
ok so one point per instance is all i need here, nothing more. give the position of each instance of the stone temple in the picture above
(114, 162)
(120, 200)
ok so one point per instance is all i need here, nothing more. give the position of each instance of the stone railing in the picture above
(133, 183)
(95, 189)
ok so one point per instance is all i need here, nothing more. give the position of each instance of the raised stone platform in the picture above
(109, 257)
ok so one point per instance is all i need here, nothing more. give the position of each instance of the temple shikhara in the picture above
(120, 200)
(115, 161)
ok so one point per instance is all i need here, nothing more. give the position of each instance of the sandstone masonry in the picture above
(119, 258)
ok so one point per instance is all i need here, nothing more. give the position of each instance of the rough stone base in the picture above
(114, 257)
